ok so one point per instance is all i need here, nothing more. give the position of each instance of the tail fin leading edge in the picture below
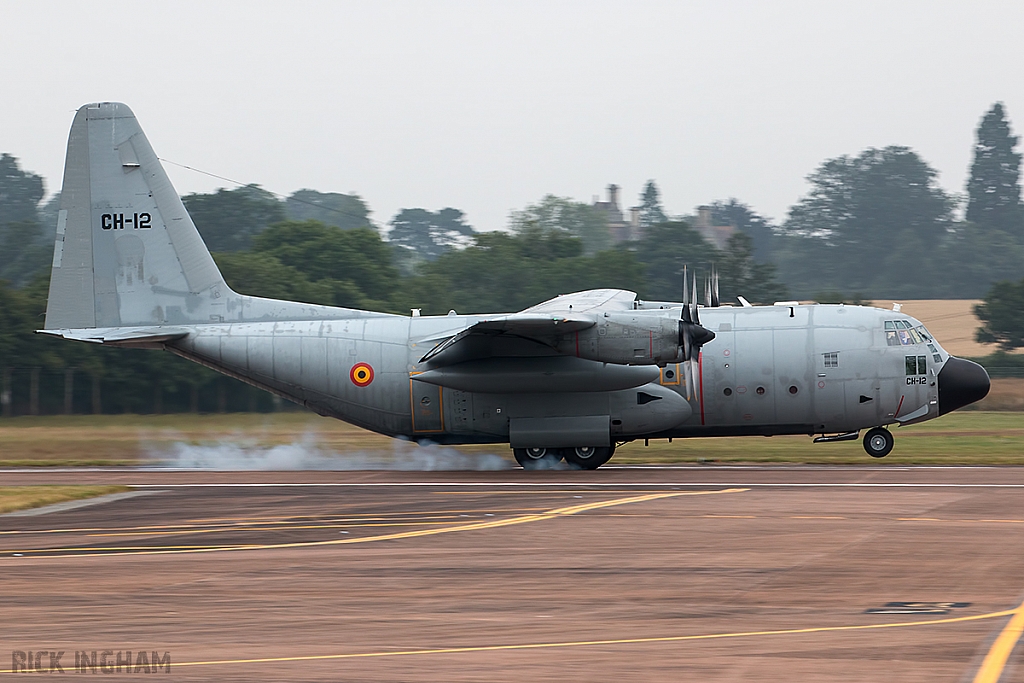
(127, 253)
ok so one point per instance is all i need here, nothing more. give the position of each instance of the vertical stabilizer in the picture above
(127, 252)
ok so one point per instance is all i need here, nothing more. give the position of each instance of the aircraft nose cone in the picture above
(961, 382)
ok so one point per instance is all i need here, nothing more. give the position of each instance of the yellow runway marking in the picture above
(294, 527)
(995, 661)
(242, 523)
(545, 492)
(1003, 521)
(355, 521)
(591, 643)
(493, 524)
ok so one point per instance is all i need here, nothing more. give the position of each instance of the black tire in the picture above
(537, 458)
(878, 442)
(588, 457)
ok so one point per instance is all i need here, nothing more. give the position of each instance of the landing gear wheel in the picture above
(588, 457)
(878, 442)
(537, 458)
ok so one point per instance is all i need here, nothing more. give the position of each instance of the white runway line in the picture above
(75, 504)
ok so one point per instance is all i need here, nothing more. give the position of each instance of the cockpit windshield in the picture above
(902, 333)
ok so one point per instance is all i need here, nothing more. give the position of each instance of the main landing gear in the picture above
(582, 457)
(878, 442)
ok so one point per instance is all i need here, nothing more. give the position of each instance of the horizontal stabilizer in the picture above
(137, 337)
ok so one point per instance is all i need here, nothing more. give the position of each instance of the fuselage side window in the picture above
(831, 359)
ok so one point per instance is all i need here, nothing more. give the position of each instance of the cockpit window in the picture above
(902, 333)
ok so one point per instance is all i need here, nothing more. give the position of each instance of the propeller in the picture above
(691, 334)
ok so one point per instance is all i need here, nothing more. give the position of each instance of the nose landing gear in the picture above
(878, 442)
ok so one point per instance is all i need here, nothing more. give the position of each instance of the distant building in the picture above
(622, 230)
(619, 228)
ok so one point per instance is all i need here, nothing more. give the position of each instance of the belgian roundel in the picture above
(361, 374)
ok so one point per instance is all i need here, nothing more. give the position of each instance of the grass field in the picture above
(23, 497)
(969, 437)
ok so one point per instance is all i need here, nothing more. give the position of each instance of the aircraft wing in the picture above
(589, 301)
(540, 324)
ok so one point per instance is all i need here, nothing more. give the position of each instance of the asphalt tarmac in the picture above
(623, 574)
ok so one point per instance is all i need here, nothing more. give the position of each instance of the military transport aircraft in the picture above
(566, 379)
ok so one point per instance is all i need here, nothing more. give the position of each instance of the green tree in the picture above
(343, 210)
(228, 219)
(261, 274)
(993, 189)
(663, 250)
(1002, 315)
(651, 212)
(355, 264)
(509, 272)
(48, 215)
(748, 222)
(24, 251)
(873, 223)
(20, 192)
(429, 234)
(975, 257)
(583, 221)
(741, 275)
(25, 246)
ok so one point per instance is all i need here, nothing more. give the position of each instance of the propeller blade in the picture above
(715, 300)
(684, 314)
(694, 316)
(691, 381)
(707, 291)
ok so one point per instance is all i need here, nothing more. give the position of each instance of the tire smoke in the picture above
(308, 453)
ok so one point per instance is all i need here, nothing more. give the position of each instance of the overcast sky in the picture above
(487, 106)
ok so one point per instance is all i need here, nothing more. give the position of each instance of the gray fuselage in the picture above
(801, 369)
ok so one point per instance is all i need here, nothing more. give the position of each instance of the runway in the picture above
(639, 574)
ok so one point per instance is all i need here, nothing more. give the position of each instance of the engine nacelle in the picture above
(626, 339)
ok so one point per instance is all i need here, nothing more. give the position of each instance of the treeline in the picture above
(321, 248)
